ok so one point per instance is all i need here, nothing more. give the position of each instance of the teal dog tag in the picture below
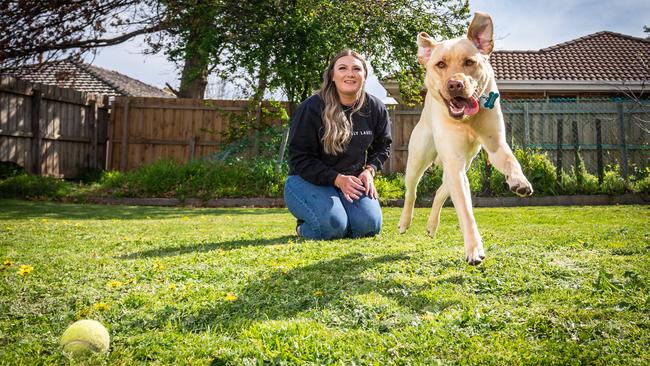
(489, 101)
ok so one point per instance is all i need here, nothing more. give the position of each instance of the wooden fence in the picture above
(60, 132)
(52, 131)
(605, 132)
(143, 130)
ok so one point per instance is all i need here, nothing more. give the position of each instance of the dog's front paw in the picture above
(520, 186)
(404, 222)
(475, 255)
(402, 226)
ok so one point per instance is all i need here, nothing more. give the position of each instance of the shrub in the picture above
(476, 173)
(579, 181)
(539, 170)
(10, 169)
(498, 185)
(390, 186)
(613, 182)
(204, 179)
(642, 185)
(90, 175)
(33, 186)
(431, 180)
(159, 179)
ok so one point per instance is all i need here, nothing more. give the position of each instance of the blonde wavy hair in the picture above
(338, 128)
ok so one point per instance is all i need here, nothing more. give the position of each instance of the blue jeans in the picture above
(327, 214)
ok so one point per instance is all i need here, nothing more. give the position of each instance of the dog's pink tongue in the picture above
(472, 107)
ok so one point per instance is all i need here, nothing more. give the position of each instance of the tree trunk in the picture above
(258, 98)
(194, 78)
(285, 138)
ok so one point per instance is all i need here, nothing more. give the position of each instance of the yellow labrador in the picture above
(461, 114)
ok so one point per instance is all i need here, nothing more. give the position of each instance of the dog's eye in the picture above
(441, 65)
(470, 62)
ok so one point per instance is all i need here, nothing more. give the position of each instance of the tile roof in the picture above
(602, 56)
(87, 78)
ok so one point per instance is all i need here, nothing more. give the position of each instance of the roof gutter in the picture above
(573, 86)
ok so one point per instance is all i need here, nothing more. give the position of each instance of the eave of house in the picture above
(536, 86)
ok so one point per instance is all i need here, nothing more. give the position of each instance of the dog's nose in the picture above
(455, 86)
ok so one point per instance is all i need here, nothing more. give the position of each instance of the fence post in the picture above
(92, 109)
(509, 122)
(599, 150)
(576, 143)
(621, 125)
(526, 126)
(37, 156)
(125, 136)
(192, 148)
(558, 170)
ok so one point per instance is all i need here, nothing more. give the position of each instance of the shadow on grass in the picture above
(331, 284)
(16, 209)
(206, 247)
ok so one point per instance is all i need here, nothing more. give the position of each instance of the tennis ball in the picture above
(85, 336)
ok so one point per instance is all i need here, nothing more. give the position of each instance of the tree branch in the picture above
(88, 43)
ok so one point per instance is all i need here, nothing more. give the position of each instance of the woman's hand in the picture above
(368, 183)
(351, 186)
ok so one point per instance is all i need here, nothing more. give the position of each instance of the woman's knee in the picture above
(333, 225)
(369, 226)
(366, 220)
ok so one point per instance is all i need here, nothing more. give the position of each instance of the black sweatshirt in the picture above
(369, 145)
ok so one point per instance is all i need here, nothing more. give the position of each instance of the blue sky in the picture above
(519, 25)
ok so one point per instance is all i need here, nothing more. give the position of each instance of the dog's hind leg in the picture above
(434, 217)
(421, 156)
(455, 179)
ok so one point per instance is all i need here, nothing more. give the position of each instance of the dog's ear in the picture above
(425, 46)
(480, 32)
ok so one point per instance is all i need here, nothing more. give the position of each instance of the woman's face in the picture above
(348, 76)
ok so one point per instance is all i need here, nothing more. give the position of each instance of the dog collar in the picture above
(487, 101)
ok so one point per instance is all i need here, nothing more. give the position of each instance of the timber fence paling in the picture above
(146, 129)
(49, 130)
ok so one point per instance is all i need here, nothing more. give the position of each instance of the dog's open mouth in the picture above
(459, 107)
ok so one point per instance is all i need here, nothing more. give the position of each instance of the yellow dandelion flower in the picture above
(7, 263)
(172, 287)
(25, 270)
(101, 306)
(318, 293)
(45, 221)
(185, 218)
(230, 297)
(114, 283)
(159, 266)
(429, 316)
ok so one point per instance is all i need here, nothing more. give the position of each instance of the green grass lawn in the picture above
(235, 286)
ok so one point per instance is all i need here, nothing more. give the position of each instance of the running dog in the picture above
(461, 114)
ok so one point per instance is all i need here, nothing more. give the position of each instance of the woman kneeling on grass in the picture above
(339, 138)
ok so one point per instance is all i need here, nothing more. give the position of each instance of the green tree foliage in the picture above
(290, 42)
